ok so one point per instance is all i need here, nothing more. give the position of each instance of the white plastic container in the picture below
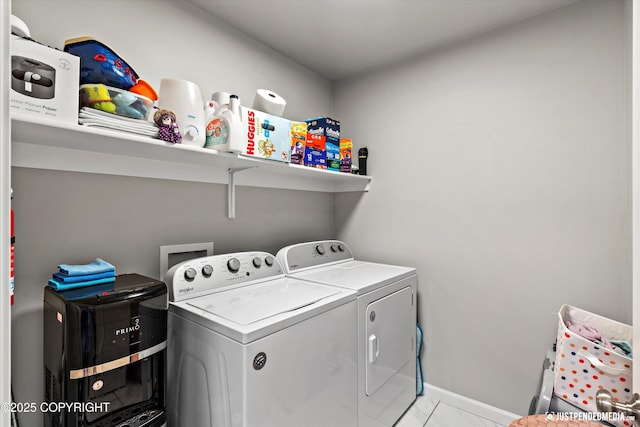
(115, 101)
(224, 127)
(210, 122)
(183, 98)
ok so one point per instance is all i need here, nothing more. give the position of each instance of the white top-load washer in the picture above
(249, 347)
(386, 322)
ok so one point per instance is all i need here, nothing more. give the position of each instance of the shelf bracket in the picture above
(231, 190)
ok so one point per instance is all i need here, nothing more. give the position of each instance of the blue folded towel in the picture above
(65, 286)
(64, 278)
(94, 267)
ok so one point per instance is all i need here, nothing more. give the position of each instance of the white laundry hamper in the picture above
(583, 367)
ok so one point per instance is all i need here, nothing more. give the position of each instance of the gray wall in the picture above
(65, 217)
(501, 170)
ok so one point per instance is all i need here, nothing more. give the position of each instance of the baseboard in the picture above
(480, 409)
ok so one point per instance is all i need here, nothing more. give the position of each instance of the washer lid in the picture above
(250, 304)
(360, 276)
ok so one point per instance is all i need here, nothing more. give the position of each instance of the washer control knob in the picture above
(341, 247)
(257, 262)
(207, 270)
(190, 274)
(334, 248)
(320, 249)
(269, 261)
(233, 265)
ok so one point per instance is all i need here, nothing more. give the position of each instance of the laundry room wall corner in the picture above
(502, 173)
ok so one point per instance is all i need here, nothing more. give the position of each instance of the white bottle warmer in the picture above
(183, 98)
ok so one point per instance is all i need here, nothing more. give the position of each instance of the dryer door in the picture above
(390, 333)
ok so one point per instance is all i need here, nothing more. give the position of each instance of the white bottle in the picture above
(210, 122)
(226, 127)
(220, 98)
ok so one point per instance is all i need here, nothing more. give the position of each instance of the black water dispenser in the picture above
(105, 354)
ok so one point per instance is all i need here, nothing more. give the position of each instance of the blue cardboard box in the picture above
(315, 154)
(329, 129)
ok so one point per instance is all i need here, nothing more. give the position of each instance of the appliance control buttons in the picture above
(207, 270)
(190, 274)
(341, 247)
(334, 248)
(320, 249)
(233, 265)
(269, 261)
(257, 262)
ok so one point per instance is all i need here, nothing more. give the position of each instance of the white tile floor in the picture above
(427, 412)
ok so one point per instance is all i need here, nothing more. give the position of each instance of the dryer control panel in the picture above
(301, 256)
(219, 272)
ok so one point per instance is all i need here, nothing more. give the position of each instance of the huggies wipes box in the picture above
(266, 136)
(44, 81)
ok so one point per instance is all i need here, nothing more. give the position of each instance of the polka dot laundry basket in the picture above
(584, 366)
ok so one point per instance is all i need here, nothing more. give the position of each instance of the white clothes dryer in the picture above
(249, 347)
(386, 320)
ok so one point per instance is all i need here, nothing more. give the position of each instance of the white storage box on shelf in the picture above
(584, 366)
(44, 82)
